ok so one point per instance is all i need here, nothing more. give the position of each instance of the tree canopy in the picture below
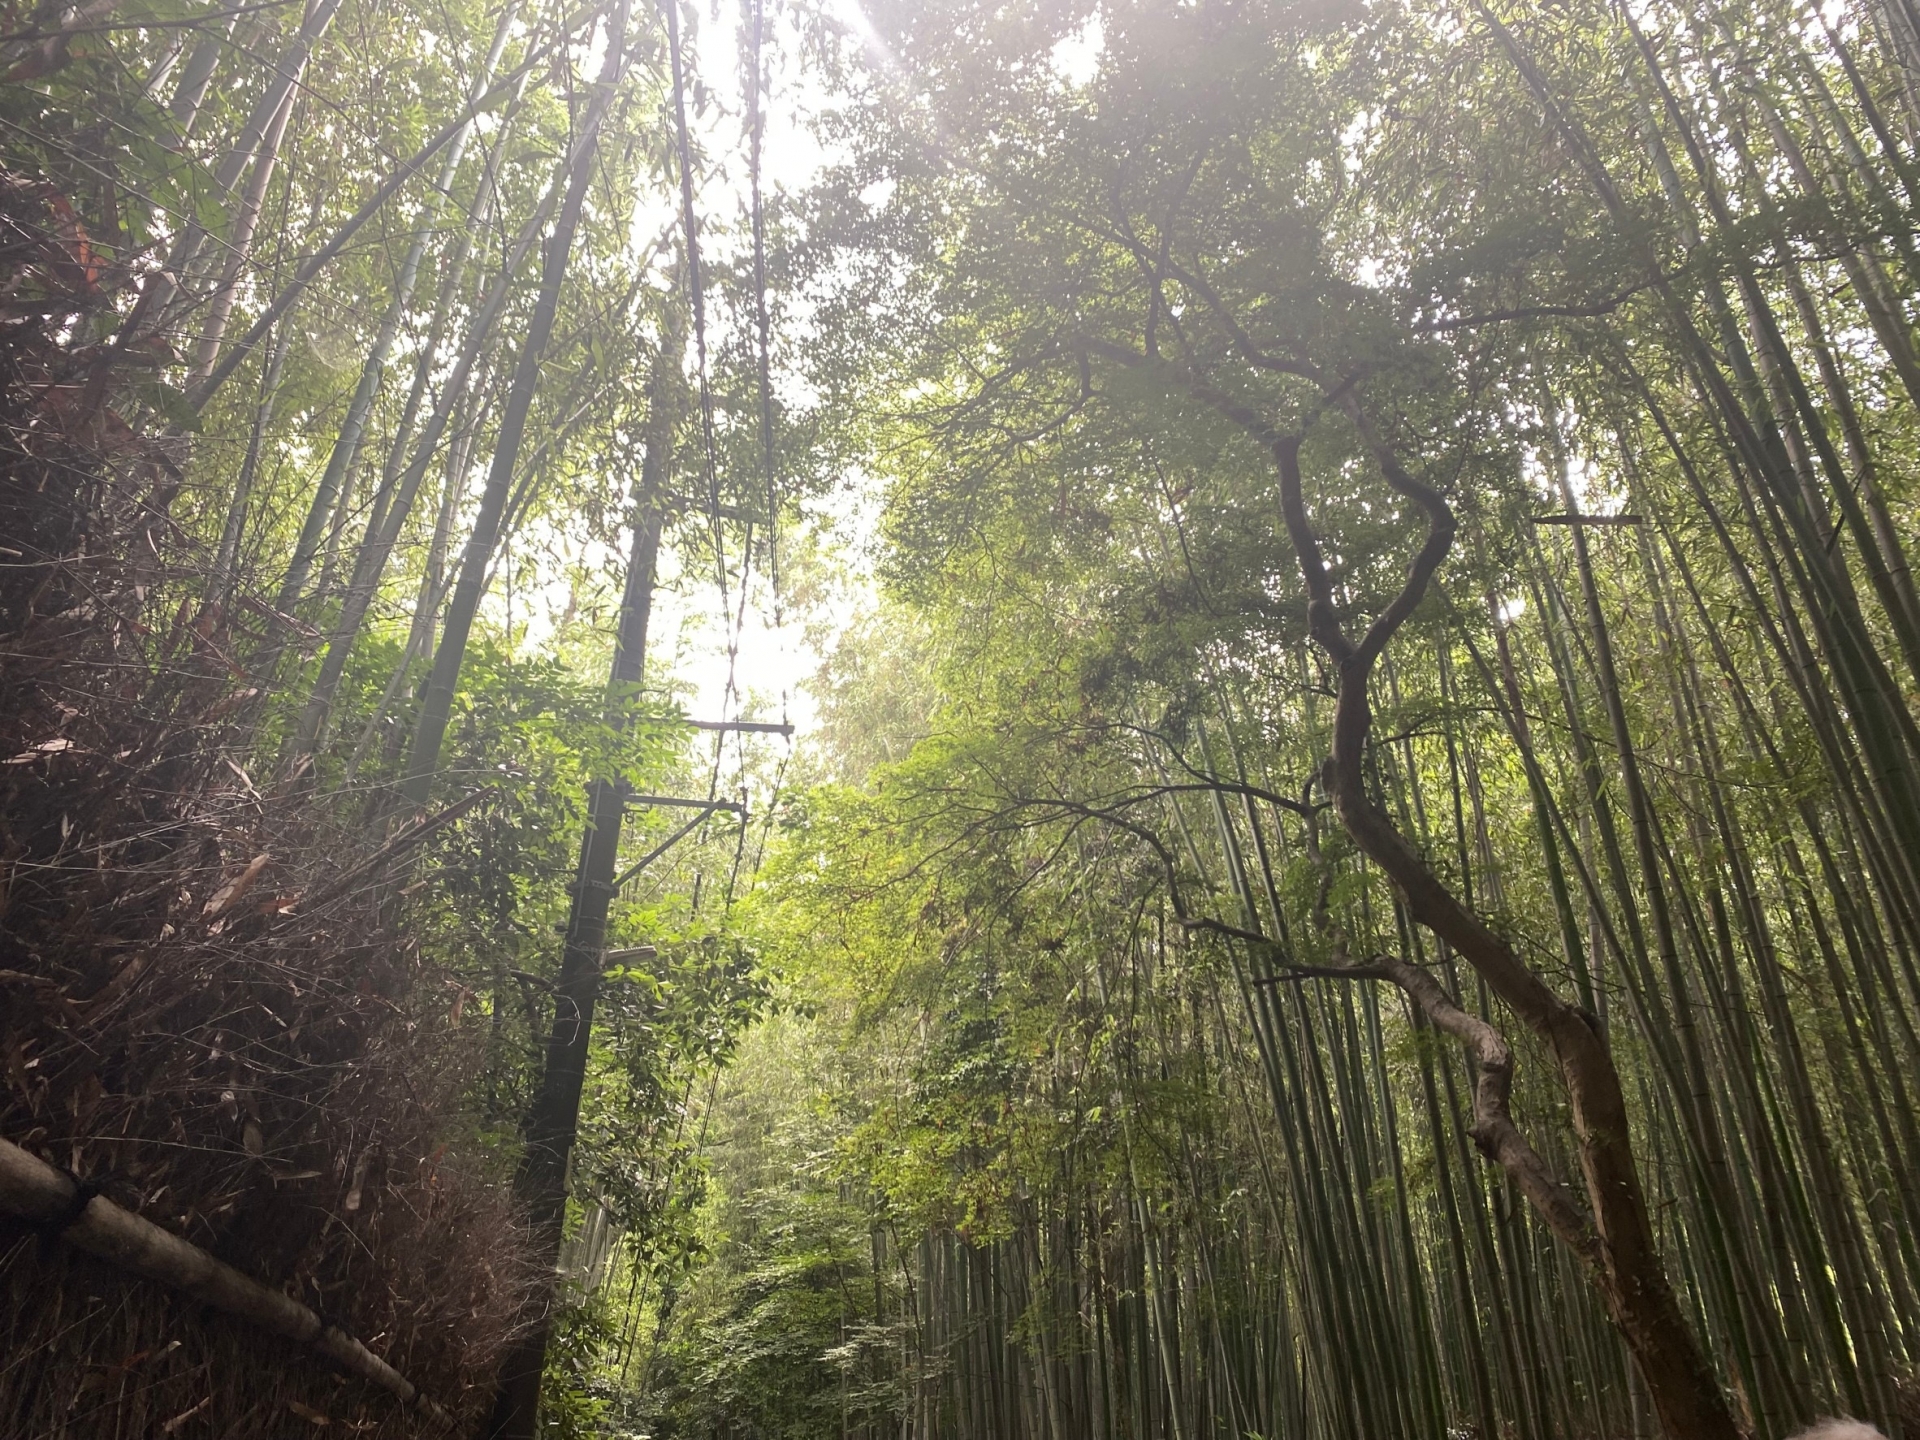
(1346, 862)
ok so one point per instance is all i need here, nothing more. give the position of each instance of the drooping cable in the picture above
(756, 134)
(736, 615)
(696, 289)
(764, 318)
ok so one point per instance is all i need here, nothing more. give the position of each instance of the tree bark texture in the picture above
(553, 1118)
(1616, 1245)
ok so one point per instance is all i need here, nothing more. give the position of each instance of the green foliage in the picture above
(1077, 746)
(1016, 1085)
(576, 1400)
(781, 1329)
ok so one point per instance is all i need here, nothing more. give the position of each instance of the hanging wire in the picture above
(696, 288)
(729, 698)
(772, 808)
(630, 1336)
(756, 135)
(736, 614)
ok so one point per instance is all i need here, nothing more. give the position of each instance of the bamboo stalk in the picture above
(36, 1192)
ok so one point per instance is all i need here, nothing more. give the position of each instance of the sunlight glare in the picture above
(1076, 57)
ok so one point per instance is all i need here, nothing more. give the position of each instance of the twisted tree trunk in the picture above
(1615, 1240)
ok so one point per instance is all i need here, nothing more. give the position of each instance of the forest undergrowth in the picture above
(211, 1016)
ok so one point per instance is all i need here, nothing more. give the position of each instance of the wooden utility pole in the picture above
(553, 1118)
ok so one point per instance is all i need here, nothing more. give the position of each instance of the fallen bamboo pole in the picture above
(43, 1196)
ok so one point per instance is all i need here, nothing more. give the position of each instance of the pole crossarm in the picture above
(1587, 519)
(626, 954)
(683, 802)
(746, 727)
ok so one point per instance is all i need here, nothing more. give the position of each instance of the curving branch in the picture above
(1615, 1239)
(1158, 267)
(1493, 1129)
(1617, 1245)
